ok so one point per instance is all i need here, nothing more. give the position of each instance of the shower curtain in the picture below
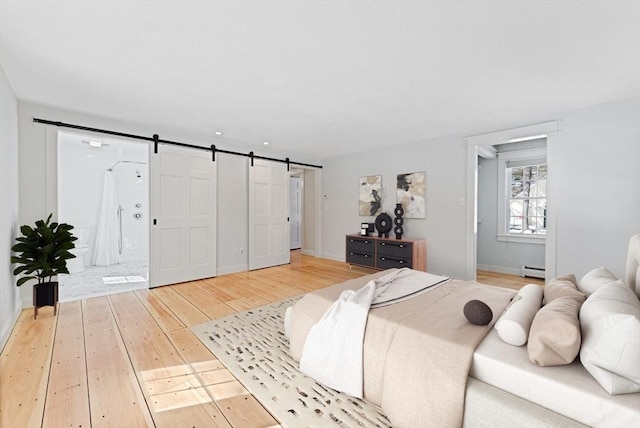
(106, 245)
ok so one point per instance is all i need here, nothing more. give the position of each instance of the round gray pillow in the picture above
(477, 312)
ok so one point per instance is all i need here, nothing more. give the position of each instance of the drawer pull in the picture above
(384, 259)
(384, 244)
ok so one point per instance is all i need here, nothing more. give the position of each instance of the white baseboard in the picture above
(232, 269)
(499, 269)
(309, 253)
(337, 258)
(6, 331)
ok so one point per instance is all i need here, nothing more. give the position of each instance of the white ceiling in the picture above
(322, 79)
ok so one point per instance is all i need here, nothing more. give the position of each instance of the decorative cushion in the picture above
(595, 279)
(610, 321)
(554, 338)
(563, 286)
(477, 312)
(515, 322)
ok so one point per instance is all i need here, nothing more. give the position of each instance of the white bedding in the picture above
(568, 390)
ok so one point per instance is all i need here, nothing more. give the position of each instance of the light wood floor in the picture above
(130, 360)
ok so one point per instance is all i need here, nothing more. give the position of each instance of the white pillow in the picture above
(610, 323)
(632, 272)
(595, 279)
(515, 322)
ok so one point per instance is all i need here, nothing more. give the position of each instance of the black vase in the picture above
(398, 221)
(384, 225)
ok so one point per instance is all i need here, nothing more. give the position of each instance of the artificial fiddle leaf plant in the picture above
(43, 251)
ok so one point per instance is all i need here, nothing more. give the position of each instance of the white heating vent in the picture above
(533, 272)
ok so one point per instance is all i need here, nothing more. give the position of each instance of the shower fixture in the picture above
(126, 161)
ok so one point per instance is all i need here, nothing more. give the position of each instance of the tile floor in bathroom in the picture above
(103, 280)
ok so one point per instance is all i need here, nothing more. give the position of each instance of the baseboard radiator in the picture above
(532, 272)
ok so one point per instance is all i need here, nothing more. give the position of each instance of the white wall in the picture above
(597, 191)
(598, 207)
(494, 255)
(233, 213)
(309, 220)
(9, 295)
(442, 159)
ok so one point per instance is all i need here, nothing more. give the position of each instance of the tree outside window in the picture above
(528, 199)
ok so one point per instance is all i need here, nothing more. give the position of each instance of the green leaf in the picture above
(24, 279)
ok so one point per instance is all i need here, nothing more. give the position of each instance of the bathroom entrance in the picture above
(103, 191)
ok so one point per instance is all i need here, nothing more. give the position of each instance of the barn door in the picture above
(268, 214)
(183, 222)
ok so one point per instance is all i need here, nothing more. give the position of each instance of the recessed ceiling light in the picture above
(217, 133)
(92, 143)
(266, 143)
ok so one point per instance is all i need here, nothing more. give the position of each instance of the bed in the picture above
(424, 364)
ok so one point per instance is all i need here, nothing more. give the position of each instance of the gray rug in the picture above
(252, 345)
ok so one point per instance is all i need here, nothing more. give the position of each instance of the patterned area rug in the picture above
(254, 348)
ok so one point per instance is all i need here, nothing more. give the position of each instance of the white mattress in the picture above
(568, 390)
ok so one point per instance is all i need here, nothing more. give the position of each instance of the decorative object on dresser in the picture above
(366, 228)
(411, 193)
(370, 195)
(382, 253)
(398, 221)
(384, 225)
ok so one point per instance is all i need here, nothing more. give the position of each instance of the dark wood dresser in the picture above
(386, 253)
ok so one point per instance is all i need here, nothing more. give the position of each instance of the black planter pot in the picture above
(45, 294)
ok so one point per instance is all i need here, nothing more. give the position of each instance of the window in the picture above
(522, 210)
(528, 199)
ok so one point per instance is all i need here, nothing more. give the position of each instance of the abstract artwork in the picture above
(370, 195)
(411, 193)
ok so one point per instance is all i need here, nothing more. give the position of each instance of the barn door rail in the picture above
(155, 139)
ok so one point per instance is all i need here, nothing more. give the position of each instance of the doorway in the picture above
(512, 205)
(103, 191)
(296, 188)
(481, 145)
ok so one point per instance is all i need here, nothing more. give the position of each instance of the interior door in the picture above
(268, 214)
(295, 212)
(183, 221)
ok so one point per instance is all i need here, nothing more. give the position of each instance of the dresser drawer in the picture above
(388, 262)
(395, 249)
(363, 259)
(360, 245)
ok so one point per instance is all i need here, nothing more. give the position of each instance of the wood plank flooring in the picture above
(130, 360)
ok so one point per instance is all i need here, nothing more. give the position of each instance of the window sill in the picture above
(523, 239)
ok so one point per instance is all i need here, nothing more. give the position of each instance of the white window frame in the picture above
(503, 190)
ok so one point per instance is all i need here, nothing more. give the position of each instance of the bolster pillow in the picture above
(515, 322)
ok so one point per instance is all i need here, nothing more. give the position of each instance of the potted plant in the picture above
(42, 253)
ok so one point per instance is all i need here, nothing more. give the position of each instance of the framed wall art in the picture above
(411, 193)
(370, 195)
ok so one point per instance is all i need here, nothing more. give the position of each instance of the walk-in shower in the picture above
(103, 191)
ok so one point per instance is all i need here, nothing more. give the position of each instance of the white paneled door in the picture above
(295, 220)
(183, 209)
(268, 214)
